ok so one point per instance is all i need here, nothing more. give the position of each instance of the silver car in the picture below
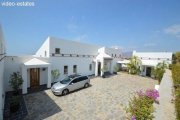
(70, 83)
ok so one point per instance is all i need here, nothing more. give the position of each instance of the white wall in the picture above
(151, 59)
(82, 65)
(72, 47)
(45, 47)
(167, 56)
(2, 93)
(115, 53)
(13, 64)
(2, 55)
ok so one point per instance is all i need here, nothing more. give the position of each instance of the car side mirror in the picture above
(71, 83)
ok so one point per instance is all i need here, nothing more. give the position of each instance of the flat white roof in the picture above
(123, 61)
(35, 61)
(104, 55)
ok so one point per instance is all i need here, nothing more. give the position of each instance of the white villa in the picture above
(68, 57)
(149, 60)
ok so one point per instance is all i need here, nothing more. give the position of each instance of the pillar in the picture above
(102, 66)
(24, 77)
(49, 77)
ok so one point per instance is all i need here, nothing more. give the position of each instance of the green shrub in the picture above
(176, 80)
(177, 103)
(159, 71)
(141, 105)
(176, 73)
(170, 66)
(16, 81)
(134, 65)
(55, 74)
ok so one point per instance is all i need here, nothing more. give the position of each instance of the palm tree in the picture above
(134, 65)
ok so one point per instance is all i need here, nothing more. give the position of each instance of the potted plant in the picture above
(14, 103)
(15, 82)
(55, 74)
(103, 70)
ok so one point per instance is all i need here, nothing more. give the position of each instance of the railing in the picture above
(77, 55)
(2, 56)
(146, 58)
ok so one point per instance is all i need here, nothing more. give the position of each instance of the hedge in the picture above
(176, 80)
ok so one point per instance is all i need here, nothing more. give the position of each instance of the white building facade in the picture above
(149, 60)
(69, 57)
(2, 57)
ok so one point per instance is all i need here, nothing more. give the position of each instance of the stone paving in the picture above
(105, 99)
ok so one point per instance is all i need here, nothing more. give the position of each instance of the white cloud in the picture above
(81, 38)
(117, 47)
(149, 44)
(173, 30)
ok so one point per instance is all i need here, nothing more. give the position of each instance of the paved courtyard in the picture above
(104, 100)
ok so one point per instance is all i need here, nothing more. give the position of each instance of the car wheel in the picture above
(86, 85)
(65, 92)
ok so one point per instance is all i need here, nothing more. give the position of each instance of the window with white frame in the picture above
(90, 67)
(65, 69)
(74, 68)
(57, 50)
(45, 53)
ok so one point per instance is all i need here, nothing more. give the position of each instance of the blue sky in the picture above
(142, 25)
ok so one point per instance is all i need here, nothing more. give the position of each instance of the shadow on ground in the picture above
(40, 106)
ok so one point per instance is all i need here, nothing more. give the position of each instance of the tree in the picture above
(159, 70)
(134, 65)
(16, 81)
(176, 58)
(55, 74)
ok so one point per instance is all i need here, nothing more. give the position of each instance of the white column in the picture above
(96, 68)
(49, 77)
(111, 66)
(102, 66)
(24, 77)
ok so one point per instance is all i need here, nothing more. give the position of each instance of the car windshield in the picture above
(65, 80)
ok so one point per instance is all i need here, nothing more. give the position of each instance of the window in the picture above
(65, 69)
(76, 80)
(57, 50)
(112, 55)
(90, 67)
(74, 68)
(80, 79)
(45, 53)
(83, 78)
(115, 55)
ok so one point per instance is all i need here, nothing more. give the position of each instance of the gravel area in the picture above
(105, 99)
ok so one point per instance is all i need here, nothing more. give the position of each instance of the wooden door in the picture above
(34, 77)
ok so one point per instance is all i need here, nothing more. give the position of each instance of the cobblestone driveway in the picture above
(104, 100)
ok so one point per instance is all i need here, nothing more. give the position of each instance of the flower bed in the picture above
(141, 105)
